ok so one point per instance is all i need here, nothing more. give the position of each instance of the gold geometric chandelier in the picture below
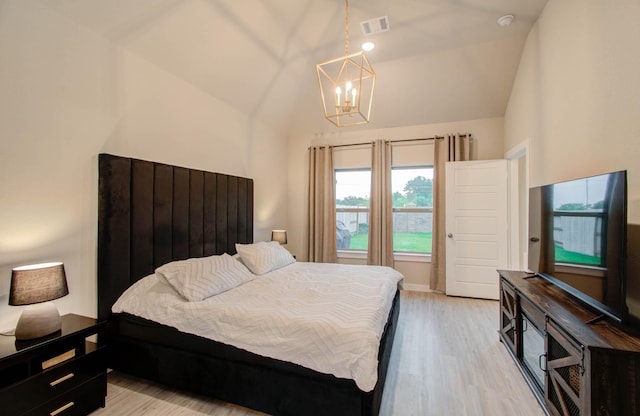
(346, 85)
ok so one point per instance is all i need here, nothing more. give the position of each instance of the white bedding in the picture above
(326, 317)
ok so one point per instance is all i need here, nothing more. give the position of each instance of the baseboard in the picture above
(416, 288)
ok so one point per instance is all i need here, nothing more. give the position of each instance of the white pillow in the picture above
(264, 257)
(199, 278)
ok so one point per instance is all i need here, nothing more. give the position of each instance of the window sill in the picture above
(352, 254)
(403, 257)
(412, 257)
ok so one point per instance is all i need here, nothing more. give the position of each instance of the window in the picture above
(412, 189)
(580, 221)
(353, 187)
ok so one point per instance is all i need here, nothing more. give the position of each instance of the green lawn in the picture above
(407, 242)
(564, 256)
(421, 242)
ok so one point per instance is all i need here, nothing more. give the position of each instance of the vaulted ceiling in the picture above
(441, 60)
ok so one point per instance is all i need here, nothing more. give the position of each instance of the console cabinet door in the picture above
(508, 315)
(565, 389)
(531, 342)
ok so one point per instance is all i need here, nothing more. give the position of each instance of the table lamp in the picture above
(36, 285)
(279, 235)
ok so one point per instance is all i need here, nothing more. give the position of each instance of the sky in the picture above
(359, 181)
(586, 191)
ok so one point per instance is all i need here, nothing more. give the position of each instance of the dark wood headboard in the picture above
(151, 213)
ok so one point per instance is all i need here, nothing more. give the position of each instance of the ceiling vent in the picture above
(376, 25)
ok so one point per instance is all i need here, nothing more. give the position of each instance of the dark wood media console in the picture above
(575, 362)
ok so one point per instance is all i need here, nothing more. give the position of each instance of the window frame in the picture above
(359, 253)
(413, 254)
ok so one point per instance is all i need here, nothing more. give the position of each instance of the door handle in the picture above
(450, 235)
(542, 362)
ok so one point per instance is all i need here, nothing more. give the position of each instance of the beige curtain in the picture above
(380, 250)
(451, 148)
(321, 209)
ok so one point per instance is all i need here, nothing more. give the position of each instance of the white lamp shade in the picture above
(279, 235)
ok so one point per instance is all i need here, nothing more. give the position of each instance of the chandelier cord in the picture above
(346, 29)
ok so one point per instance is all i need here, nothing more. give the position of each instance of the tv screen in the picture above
(577, 239)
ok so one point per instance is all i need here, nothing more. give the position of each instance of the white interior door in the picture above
(476, 227)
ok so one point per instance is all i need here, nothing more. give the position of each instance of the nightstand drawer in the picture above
(79, 401)
(51, 383)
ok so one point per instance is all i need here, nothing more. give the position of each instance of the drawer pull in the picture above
(61, 409)
(61, 379)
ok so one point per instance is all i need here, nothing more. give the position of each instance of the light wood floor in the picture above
(446, 360)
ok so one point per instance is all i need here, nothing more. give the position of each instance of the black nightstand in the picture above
(62, 374)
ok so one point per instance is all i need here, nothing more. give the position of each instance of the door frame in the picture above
(516, 213)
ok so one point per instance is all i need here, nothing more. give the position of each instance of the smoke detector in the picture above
(505, 20)
(375, 25)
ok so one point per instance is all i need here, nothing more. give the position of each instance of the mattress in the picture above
(325, 317)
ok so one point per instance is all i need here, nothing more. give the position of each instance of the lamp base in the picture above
(38, 320)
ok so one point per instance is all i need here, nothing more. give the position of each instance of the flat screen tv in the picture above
(578, 239)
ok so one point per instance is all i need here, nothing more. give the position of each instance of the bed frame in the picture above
(152, 213)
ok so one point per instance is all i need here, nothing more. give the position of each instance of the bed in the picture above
(151, 214)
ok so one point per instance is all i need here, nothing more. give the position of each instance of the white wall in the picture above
(577, 92)
(576, 96)
(68, 94)
(489, 144)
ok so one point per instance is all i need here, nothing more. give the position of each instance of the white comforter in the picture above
(326, 317)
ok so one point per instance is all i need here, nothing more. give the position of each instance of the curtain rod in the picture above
(398, 141)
